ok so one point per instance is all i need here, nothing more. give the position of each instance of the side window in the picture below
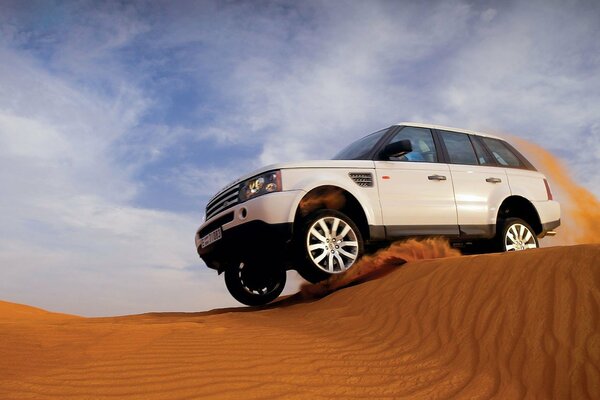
(459, 148)
(422, 144)
(482, 155)
(502, 154)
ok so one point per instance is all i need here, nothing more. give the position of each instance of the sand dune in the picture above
(521, 325)
(12, 312)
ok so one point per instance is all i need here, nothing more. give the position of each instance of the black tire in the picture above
(516, 235)
(336, 245)
(254, 286)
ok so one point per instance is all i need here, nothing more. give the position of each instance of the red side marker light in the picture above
(548, 191)
(385, 177)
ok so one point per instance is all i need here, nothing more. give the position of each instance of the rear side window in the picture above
(502, 153)
(460, 149)
(482, 155)
(421, 140)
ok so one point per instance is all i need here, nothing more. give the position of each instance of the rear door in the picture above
(479, 185)
(523, 179)
(415, 190)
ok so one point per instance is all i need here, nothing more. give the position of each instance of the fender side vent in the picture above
(362, 179)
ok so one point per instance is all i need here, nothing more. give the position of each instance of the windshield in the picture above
(360, 149)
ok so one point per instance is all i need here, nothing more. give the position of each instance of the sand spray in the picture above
(580, 209)
(381, 263)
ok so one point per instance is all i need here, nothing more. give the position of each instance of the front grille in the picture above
(222, 201)
(363, 179)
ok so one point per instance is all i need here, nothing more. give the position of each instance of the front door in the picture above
(415, 190)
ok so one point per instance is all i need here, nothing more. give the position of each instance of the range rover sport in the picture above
(408, 180)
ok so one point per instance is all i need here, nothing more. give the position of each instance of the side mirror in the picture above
(396, 149)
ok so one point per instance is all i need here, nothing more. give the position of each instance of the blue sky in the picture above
(118, 120)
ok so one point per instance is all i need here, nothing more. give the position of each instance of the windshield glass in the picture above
(360, 149)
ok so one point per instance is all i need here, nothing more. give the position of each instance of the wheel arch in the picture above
(519, 207)
(333, 197)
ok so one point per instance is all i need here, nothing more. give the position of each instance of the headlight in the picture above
(262, 184)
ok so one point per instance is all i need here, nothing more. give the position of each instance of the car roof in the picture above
(447, 128)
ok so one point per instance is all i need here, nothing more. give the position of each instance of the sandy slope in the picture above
(504, 325)
(13, 312)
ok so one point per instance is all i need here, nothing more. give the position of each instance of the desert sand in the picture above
(519, 325)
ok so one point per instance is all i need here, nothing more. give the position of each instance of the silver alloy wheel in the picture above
(519, 237)
(332, 245)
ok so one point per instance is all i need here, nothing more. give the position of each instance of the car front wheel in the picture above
(329, 243)
(252, 285)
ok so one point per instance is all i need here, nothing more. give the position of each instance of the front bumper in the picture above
(255, 241)
(256, 230)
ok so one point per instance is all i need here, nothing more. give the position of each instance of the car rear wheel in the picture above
(517, 235)
(329, 243)
(252, 285)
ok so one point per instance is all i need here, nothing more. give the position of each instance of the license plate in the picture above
(211, 238)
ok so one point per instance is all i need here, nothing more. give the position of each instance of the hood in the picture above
(358, 164)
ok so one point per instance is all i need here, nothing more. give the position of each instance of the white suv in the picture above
(319, 217)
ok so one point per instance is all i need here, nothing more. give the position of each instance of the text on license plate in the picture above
(211, 238)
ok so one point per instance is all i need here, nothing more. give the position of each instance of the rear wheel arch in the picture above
(519, 207)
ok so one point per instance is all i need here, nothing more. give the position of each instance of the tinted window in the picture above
(459, 148)
(501, 153)
(361, 148)
(422, 144)
(482, 155)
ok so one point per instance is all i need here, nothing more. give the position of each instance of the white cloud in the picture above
(489, 14)
(343, 78)
(30, 139)
(66, 207)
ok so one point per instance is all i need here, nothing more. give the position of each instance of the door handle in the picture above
(493, 180)
(436, 177)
